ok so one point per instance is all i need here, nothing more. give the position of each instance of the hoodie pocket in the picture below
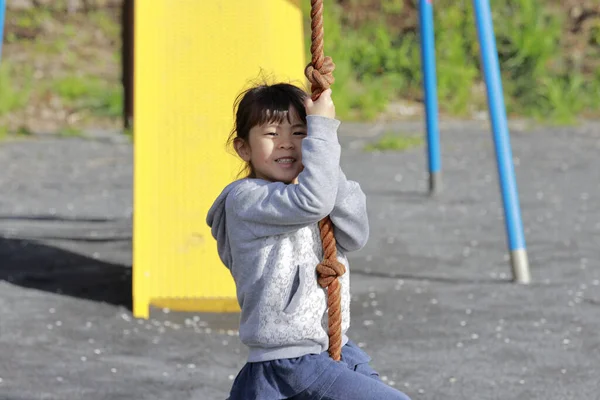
(295, 290)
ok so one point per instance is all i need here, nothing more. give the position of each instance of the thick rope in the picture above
(320, 74)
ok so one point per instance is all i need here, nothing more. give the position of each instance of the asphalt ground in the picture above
(433, 302)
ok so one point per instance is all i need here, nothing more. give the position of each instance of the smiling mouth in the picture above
(285, 160)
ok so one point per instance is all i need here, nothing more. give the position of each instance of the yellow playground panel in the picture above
(192, 58)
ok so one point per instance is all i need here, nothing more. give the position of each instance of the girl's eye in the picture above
(271, 133)
(300, 133)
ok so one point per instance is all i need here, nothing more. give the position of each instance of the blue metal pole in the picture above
(426, 28)
(508, 186)
(2, 11)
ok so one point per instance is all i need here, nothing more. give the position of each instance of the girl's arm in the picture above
(349, 216)
(271, 208)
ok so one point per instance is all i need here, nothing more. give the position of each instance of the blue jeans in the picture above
(313, 376)
(361, 383)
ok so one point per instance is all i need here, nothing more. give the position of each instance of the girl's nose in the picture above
(286, 144)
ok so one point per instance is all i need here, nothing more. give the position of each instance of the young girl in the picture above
(266, 227)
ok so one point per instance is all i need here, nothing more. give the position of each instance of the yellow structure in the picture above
(192, 58)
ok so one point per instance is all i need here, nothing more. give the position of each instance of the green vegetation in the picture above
(377, 57)
(60, 72)
(3, 132)
(90, 93)
(11, 96)
(71, 132)
(394, 142)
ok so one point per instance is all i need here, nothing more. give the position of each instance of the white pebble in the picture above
(231, 377)
(368, 323)
(59, 378)
(113, 370)
(83, 358)
(52, 310)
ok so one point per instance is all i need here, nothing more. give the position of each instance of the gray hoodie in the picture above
(267, 235)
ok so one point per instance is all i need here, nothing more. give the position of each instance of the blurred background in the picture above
(65, 63)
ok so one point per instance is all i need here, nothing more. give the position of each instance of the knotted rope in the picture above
(319, 73)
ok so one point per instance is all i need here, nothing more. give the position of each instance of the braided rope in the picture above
(320, 74)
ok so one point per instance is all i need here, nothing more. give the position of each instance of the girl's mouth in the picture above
(285, 160)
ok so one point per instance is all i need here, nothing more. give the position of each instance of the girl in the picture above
(266, 227)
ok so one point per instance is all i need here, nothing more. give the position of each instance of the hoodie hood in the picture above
(217, 221)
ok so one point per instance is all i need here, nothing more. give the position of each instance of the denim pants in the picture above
(314, 376)
(358, 383)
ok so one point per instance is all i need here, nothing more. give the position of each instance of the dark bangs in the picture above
(268, 104)
(264, 104)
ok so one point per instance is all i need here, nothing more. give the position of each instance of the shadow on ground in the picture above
(34, 265)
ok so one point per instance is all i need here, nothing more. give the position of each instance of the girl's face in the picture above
(275, 149)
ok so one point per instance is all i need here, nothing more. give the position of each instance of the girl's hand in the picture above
(323, 106)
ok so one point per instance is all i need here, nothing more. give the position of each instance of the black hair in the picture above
(265, 104)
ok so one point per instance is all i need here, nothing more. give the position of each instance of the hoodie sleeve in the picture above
(271, 208)
(349, 216)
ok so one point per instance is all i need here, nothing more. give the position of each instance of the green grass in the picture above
(86, 92)
(394, 142)
(541, 80)
(23, 131)
(70, 132)
(106, 23)
(11, 97)
(3, 132)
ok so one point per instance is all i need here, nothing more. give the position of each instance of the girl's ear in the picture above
(242, 148)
